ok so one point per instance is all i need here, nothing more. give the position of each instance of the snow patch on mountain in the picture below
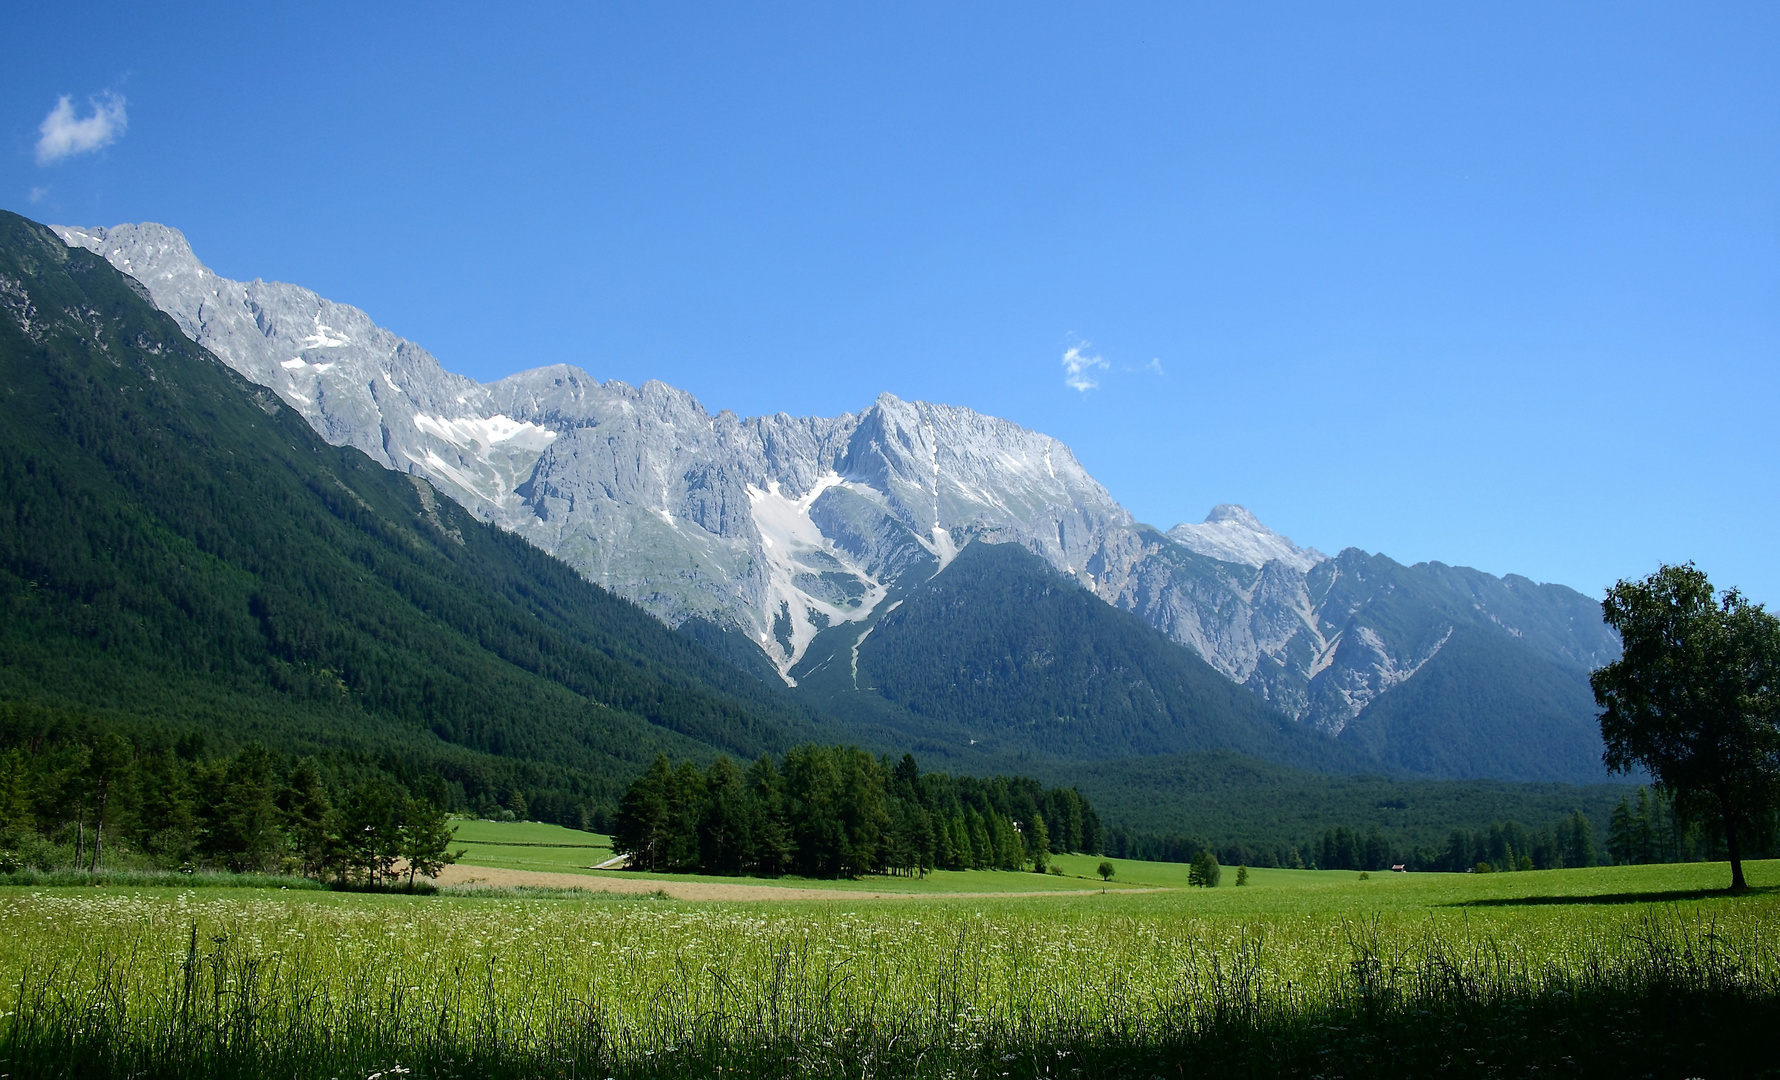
(781, 526)
(812, 583)
(482, 433)
(1231, 534)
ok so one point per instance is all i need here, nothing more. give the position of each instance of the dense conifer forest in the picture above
(1005, 649)
(837, 811)
(179, 549)
(107, 797)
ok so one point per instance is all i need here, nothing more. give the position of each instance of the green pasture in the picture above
(1451, 973)
(529, 845)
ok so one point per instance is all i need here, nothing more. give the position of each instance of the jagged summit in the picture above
(788, 528)
(1233, 534)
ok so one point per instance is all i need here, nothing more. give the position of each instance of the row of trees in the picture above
(94, 800)
(1124, 842)
(1505, 845)
(1509, 845)
(836, 811)
(1648, 828)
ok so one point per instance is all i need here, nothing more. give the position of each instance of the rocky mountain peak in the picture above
(792, 528)
(1230, 533)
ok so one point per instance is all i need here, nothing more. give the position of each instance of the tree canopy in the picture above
(1692, 699)
(837, 811)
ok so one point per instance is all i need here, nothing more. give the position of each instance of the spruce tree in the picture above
(1622, 843)
(1038, 843)
(308, 820)
(426, 836)
(1582, 841)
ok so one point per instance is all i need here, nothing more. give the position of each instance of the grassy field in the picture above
(1300, 973)
(554, 849)
(531, 845)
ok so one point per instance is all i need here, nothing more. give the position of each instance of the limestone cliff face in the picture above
(786, 527)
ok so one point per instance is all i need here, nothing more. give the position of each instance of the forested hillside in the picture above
(1007, 652)
(1257, 811)
(179, 549)
(1485, 706)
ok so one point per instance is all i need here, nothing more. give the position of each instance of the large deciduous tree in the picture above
(1693, 699)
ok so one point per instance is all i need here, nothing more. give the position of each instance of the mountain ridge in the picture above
(183, 548)
(787, 530)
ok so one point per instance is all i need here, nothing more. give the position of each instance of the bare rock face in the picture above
(787, 527)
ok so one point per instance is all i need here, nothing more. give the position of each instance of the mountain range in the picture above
(183, 557)
(817, 551)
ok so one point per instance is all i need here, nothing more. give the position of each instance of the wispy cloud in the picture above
(64, 134)
(1155, 365)
(37, 194)
(1078, 368)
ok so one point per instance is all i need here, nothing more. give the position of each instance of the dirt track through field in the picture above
(709, 890)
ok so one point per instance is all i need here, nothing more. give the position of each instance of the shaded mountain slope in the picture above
(1486, 705)
(1003, 650)
(178, 544)
(1232, 799)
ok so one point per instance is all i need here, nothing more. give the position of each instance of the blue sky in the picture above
(1491, 284)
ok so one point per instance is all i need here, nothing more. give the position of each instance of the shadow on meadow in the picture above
(1665, 897)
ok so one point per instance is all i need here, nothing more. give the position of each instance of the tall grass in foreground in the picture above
(188, 987)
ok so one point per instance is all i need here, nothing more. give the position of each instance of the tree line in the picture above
(95, 798)
(838, 811)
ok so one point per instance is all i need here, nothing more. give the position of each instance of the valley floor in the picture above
(1649, 969)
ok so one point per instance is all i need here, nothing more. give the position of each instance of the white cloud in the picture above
(1155, 365)
(37, 194)
(1077, 369)
(64, 134)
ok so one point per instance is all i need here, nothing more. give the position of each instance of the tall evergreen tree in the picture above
(426, 836)
(309, 820)
(243, 827)
(1038, 844)
(1582, 841)
(109, 767)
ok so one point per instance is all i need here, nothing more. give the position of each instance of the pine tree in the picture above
(1645, 828)
(167, 813)
(243, 827)
(1204, 871)
(1622, 844)
(772, 842)
(371, 828)
(1038, 843)
(16, 818)
(642, 829)
(426, 836)
(1582, 841)
(308, 820)
(726, 834)
(109, 767)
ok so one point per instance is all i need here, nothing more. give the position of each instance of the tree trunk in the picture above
(1734, 848)
(99, 837)
(80, 839)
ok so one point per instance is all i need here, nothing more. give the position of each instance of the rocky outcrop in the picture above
(784, 527)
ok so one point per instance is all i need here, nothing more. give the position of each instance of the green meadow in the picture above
(555, 849)
(1610, 971)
